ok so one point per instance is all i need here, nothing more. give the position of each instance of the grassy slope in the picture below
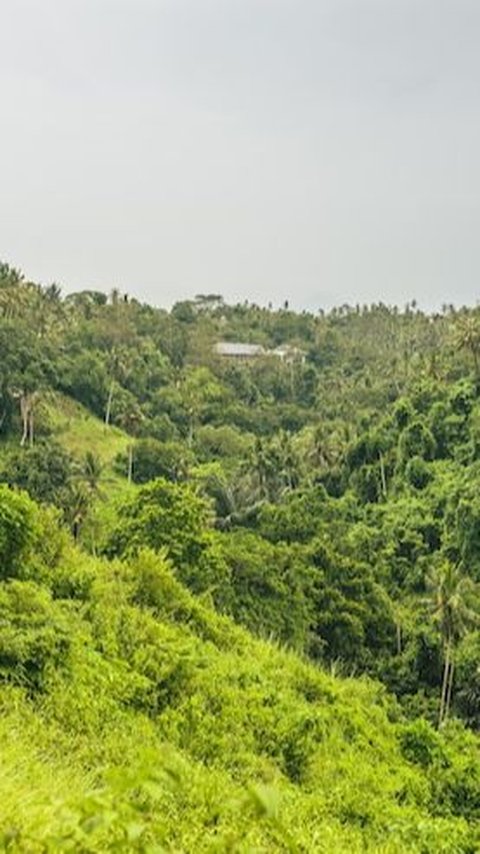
(221, 742)
(171, 729)
(79, 431)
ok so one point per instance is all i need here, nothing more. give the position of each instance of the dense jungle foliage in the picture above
(240, 595)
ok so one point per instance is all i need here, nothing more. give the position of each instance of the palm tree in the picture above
(76, 508)
(92, 476)
(50, 313)
(130, 420)
(466, 336)
(319, 453)
(451, 592)
(92, 471)
(118, 368)
(17, 297)
(266, 464)
(328, 442)
(288, 461)
(28, 400)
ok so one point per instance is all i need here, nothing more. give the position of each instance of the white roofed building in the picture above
(288, 353)
(237, 350)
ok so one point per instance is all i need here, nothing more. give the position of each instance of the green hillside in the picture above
(239, 588)
(136, 719)
(78, 431)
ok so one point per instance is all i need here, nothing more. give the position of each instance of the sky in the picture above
(317, 151)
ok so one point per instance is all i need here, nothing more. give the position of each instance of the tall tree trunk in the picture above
(449, 690)
(130, 462)
(108, 410)
(191, 428)
(445, 681)
(24, 412)
(31, 418)
(382, 476)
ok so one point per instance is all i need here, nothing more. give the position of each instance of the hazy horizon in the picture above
(317, 152)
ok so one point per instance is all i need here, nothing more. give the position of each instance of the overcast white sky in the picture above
(321, 151)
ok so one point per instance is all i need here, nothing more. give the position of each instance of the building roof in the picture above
(235, 348)
(288, 350)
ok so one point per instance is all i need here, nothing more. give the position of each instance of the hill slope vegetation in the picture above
(239, 596)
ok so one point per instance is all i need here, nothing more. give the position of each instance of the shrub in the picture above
(33, 634)
(421, 744)
(418, 473)
(17, 530)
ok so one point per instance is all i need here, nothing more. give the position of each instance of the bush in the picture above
(170, 517)
(421, 744)
(418, 473)
(17, 530)
(44, 471)
(152, 459)
(417, 441)
(33, 634)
